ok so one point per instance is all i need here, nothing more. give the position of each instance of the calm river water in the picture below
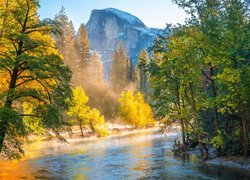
(138, 156)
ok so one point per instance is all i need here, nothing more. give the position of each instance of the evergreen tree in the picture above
(83, 46)
(143, 73)
(65, 42)
(95, 70)
(121, 69)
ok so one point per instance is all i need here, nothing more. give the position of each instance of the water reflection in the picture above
(140, 156)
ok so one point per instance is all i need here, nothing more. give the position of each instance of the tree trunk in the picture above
(193, 104)
(3, 130)
(245, 138)
(179, 112)
(214, 93)
(80, 125)
(183, 132)
(215, 110)
(8, 104)
(187, 134)
(210, 78)
(92, 127)
(3, 124)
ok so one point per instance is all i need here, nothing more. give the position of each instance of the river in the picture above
(137, 156)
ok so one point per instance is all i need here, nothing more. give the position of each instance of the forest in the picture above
(200, 76)
(50, 80)
(195, 75)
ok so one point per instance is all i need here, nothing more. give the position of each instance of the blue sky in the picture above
(154, 13)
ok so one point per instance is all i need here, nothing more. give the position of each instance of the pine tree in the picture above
(115, 74)
(83, 46)
(95, 70)
(65, 42)
(121, 69)
(143, 73)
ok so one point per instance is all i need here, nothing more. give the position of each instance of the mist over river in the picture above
(138, 156)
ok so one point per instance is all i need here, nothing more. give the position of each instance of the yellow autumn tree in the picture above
(78, 108)
(97, 122)
(135, 111)
(83, 115)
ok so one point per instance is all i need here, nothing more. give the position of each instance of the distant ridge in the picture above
(124, 15)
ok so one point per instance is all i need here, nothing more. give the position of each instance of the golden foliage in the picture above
(84, 115)
(135, 111)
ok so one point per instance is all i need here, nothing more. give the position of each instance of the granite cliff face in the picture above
(108, 27)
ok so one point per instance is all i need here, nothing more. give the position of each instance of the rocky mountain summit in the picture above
(108, 27)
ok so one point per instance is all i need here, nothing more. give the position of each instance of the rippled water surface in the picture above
(139, 156)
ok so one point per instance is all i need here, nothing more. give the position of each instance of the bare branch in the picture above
(21, 70)
(35, 30)
(30, 95)
(29, 115)
(24, 82)
(6, 69)
(13, 43)
(205, 75)
(46, 89)
(34, 79)
(21, 77)
(5, 55)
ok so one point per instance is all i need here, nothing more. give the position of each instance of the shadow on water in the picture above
(140, 156)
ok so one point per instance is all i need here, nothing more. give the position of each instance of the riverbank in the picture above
(114, 129)
(36, 146)
(232, 162)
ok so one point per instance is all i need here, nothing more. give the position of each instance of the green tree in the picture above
(202, 75)
(225, 56)
(175, 81)
(235, 75)
(34, 73)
